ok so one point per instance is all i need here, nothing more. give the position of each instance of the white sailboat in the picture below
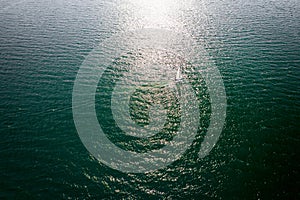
(178, 77)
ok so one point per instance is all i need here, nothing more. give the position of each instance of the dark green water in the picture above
(255, 45)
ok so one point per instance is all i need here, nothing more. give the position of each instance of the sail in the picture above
(178, 75)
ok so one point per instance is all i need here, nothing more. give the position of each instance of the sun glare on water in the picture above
(153, 14)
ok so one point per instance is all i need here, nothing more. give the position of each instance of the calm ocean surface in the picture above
(254, 44)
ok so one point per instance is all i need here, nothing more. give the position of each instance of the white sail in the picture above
(178, 75)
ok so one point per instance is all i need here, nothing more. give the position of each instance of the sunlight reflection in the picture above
(152, 14)
(155, 12)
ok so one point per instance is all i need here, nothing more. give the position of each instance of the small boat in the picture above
(178, 77)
